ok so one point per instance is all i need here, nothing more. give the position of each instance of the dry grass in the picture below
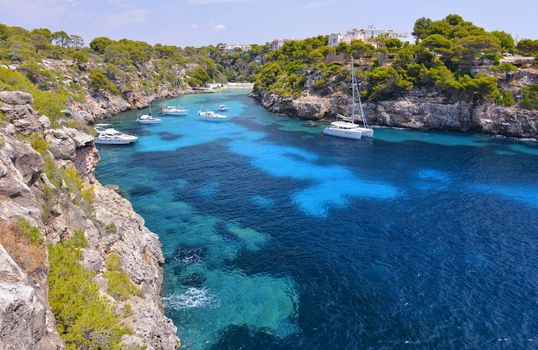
(29, 256)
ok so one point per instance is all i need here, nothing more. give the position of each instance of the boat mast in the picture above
(352, 90)
(363, 117)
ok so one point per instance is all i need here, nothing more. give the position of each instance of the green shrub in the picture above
(38, 143)
(529, 97)
(49, 196)
(119, 282)
(87, 194)
(52, 171)
(85, 320)
(3, 117)
(2, 141)
(506, 99)
(111, 228)
(505, 68)
(31, 232)
(100, 82)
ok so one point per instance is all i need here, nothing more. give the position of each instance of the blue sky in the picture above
(202, 22)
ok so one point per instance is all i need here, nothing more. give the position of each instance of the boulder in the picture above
(22, 315)
(16, 97)
(60, 144)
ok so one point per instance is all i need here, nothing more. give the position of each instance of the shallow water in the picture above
(278, 237)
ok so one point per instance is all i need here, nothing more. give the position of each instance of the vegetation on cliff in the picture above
(445, 58)
(56, 68)
(85, 319)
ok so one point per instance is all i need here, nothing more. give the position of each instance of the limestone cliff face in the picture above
(26, 321)
(420, 109)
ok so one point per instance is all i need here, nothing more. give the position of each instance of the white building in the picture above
(233, 47)
(277, 44)
(364, 35)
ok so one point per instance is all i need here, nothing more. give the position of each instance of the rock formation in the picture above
(26, 320)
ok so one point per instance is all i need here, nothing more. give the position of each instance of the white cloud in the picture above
(194, 26)
(219, 27)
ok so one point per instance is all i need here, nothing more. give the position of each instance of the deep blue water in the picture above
(278, 237)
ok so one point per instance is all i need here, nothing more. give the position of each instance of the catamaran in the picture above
(346, 129)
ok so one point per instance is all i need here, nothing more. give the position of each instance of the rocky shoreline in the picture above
(26, 319)
(419, 109)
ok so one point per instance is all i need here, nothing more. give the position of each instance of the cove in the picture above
(278, 237)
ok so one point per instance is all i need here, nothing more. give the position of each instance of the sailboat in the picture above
(346, 129)
(148, 118)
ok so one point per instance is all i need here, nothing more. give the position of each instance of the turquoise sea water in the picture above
(278, 237)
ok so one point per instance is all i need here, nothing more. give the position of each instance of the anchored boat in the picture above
(114, 137)
(170, 110)
(212, 116)
(346, 129)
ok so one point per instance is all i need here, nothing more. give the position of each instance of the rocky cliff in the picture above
(421, 109)
(108, 221)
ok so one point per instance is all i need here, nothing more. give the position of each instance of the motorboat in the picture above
(211, 116)
(147, 119)
(347, 129)
(171, 110)
(223, 108)
(114, 137)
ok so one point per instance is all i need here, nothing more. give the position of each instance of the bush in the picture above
(38, 143)
(506, 99)
(111, 228)
(85, 320)
(30, 232)
(119, 282)
(27, 253)
(529, 97)
(49, 196)
(99, 82)
(505, 68)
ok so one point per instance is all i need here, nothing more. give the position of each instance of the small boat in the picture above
(147, 119)
(212, 116)
(170, 110)
(114, 137)
(223, 108)
(346, 129)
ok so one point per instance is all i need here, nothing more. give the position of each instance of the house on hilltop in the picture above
(365, 35)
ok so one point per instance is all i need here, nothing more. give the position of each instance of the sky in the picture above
(204, 22)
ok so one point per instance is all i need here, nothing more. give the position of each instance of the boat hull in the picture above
(367, 132)
(348, 134)
(175, 113)
(157, 121)
(113, 142)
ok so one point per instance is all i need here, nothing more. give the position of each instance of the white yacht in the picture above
(114, 137)
(212, 116)
(223, 108)
(147, 119)
(346, 129)
(170, 110)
